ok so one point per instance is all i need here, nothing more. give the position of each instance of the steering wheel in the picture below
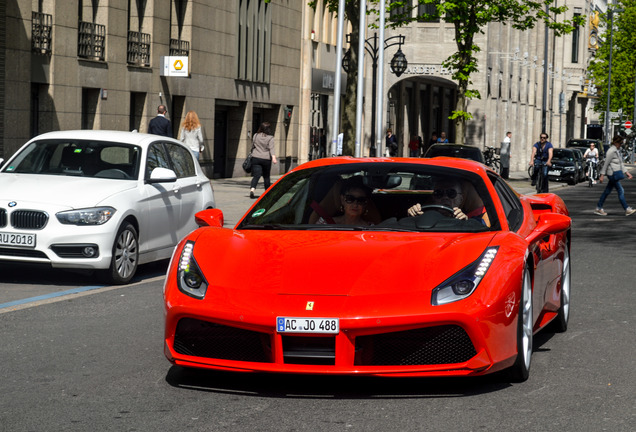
(439, 208)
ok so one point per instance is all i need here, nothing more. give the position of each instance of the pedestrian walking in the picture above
(160, 125)
(541, 159)
(391, 144)
(191, 134)
(615, 171)
(414, 146)
(263, 156)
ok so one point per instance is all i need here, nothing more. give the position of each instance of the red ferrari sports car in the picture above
(378, 266)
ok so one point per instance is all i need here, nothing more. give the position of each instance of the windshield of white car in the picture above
(375, 197)
(80, 158)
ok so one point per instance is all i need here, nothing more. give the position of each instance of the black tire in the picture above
(495, 166)
(520, 370)
(540, 180)
(125, 258)
(560, 323)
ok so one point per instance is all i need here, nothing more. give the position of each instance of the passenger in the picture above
(450, 193)
(354, 199)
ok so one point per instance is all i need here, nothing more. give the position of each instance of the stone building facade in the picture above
(78, 64)
(84, 64)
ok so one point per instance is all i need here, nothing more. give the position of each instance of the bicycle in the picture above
(592, 173)
(542, 176)
(492, 159)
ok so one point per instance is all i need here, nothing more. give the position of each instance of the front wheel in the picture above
(125, 259)
(520, 370)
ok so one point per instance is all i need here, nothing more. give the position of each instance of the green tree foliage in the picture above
(469, 18)
(623, 61)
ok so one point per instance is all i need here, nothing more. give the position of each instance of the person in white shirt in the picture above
(591, 156)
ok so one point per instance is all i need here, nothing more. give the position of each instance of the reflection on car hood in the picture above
(332, 263)
(59, 191)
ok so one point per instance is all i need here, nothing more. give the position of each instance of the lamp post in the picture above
(609, 76)
(398, 66)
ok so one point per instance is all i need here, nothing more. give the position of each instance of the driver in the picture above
(450, 193)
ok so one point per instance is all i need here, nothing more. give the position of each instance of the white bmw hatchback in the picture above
(103, 200)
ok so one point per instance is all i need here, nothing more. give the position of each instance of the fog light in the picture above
(89, 251)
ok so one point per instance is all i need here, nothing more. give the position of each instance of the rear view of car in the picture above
(456, 151)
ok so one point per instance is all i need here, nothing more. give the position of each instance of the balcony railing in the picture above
(41, 25)
(179, 47)
(91, 40)
(138, 48)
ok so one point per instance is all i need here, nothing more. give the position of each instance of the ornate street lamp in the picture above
(398, 67)
(399, 63)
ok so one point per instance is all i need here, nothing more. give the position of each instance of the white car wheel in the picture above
(561, 321)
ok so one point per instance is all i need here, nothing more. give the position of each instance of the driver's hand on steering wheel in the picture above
(416, 210)
(459, 214)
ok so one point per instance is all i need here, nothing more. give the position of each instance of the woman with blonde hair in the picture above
(191, 134)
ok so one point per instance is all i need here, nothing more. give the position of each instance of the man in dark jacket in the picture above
(160, 125)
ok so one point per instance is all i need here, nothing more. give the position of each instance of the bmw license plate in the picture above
(307, 325)
(17, 239)
(554, 172)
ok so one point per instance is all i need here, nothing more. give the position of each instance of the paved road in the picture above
(94, 361)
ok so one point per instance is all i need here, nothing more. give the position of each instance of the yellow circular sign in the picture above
(178, 65)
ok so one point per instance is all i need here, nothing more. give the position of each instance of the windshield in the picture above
(376, 197)
(101, 159)
(563, 154)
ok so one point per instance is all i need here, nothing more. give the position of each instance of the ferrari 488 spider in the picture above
(400, 267)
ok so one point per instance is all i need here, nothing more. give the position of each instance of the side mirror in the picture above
(162, 175)
(209, 217)
(548, 224)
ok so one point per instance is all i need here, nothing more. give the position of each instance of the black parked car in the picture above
(455, 150)
(565, 166)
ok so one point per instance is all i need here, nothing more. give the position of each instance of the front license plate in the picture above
(307, 325)
(17, 239)
(554, 173)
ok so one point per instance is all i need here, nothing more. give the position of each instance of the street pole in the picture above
(380, 87)
(338, 81)
(544, 105)
(360, 93)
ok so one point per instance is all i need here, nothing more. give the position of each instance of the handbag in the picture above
(618, 175)
(247, 164)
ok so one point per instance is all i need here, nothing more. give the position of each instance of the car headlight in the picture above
(87, 216)
(569, 168)
(190, 278)
(464, 283)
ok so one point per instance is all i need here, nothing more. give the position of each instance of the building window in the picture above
(427, 9)
(575, 41)
(254, 41)
(91, 41)
(401, 13)
(179, 46)
(138, 48)
(92, 36)
(41, 25)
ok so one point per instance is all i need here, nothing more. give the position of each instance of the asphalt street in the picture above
(93, 360)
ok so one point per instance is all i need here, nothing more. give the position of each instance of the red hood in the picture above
(332, 263)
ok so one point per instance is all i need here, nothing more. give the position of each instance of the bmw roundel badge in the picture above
(13, 204)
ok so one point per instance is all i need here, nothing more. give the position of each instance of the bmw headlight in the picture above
(464, 283)
(87, 216)
(569, 168)
(190, 278)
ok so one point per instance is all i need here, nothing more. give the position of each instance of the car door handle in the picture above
(176, 189)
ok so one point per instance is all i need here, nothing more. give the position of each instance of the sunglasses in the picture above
(439, 193)
(544, 137)
(350, 199)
